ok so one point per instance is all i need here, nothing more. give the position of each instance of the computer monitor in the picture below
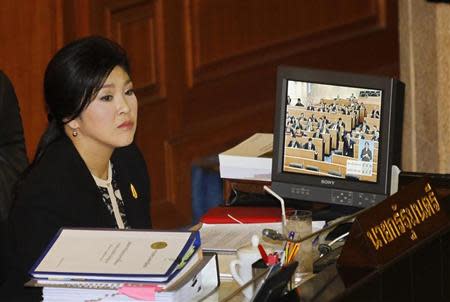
(336, 136)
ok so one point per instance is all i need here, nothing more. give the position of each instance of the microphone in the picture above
(325, 248)
(272, 234)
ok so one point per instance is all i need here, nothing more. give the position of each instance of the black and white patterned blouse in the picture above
(112, 198)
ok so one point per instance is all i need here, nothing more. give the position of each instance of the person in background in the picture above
(302, 117)
(375, 113)
(348, 145)
(13, 158)
(299, 103)
(366, 153)
(324, 130)
(376, 133)
(294, 142)
(309, 145)
(87, 171)
(317, 134)
(365, 128)
(341, 124)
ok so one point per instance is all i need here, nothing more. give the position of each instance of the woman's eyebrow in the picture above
(112, 84)
(107, 86)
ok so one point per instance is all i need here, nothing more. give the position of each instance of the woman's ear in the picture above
(72, 127)
(73, 124)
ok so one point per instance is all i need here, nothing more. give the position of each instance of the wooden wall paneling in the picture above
(30, 32)
(135, 29)
(244, 37)
(175, 63)
(170, 213)
(375, 51)
(135, 24)
(226, 35)
(208, 138)
(76, 20)
(151, 135)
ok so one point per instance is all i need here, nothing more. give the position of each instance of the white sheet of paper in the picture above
(231, 236)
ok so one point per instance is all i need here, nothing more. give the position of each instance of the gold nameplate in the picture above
(394, 226)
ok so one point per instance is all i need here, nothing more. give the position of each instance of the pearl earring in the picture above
(74, 133)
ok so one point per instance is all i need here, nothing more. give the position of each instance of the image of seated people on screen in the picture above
(336, 131)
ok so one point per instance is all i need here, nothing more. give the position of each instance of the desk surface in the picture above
(223, 291)
(229, 286)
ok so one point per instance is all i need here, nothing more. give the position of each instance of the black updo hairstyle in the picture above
(73, 78)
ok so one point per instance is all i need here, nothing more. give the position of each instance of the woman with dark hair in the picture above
(87, 171)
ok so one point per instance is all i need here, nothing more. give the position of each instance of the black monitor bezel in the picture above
(385, 84)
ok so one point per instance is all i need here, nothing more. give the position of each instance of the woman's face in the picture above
(110, 119)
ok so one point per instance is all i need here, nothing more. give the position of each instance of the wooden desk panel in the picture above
(373, 122)
(318, 143)
(324, 167)
(298, 152)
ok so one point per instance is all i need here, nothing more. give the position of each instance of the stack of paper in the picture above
(251, 159)
(199, 282)
(123, 265)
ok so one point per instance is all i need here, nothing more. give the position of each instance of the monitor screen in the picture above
(336, 136)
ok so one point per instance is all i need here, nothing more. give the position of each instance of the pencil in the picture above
(293, 252)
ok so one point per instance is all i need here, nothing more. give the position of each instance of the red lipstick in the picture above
(126, 125)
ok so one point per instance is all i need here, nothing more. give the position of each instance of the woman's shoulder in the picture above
(58, 157)
(55, 167)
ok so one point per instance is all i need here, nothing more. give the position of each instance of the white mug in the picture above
(241, 268)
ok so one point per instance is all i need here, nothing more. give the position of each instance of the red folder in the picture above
(219, 215)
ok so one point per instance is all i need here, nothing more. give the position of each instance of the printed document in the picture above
(228, 237)
(91, 252)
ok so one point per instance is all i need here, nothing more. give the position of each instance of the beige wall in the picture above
(424, 33)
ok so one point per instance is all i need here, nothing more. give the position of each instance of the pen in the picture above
(233, 218)
(291, 235)
(287, 248)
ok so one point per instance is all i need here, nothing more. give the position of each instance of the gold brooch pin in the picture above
(133, 191)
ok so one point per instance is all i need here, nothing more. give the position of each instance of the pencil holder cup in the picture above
(298, 225)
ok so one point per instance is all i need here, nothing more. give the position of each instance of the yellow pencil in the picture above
(286, 251)
(293, 252)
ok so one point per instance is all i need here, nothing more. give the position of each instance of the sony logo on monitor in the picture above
(327, 182)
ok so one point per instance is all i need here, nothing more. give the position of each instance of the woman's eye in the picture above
(129, 92)
(106, 98)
